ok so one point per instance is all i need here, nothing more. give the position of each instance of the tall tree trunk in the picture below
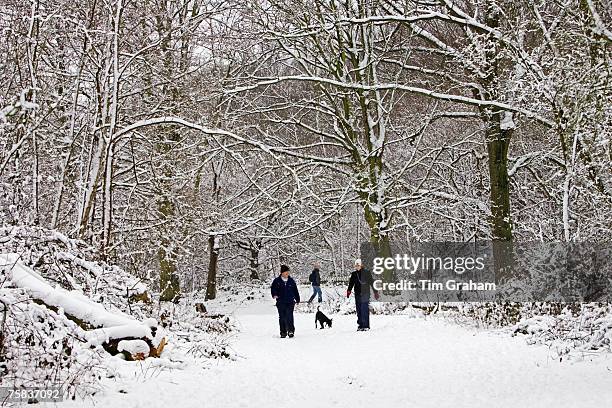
(92, 178)
(499, 128)
(167, 256)
(254, 259)
(372, 198)
(107, 209)
(498, 142)
(32, 51)
(168, 278)
(379, 240)
(211, 282)
(169, 282)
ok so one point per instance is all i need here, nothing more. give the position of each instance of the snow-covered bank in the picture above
(64, 315)
(402, 361)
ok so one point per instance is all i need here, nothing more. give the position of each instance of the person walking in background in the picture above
(315, 280)
(361, 279)
(285, 291)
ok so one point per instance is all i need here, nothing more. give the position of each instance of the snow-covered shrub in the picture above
(214, 346)
(487, 314)
(203, 335)
(564, 327)
(42, 347)
(581, 327)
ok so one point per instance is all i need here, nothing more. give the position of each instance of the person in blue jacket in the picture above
(315, 280)
(285, 291)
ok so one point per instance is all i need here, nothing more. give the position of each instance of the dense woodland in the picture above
(194, 141)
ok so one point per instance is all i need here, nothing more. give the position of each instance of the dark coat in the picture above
(362, 281)
(286, 292)
(315, 277)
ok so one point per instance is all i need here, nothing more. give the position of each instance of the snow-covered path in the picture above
(401, 362)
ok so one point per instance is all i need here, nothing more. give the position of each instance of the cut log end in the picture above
(135, 349)
(200, 308)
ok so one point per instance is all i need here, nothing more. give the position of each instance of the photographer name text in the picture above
(429, 285)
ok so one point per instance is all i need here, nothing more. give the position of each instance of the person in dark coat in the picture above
(361, 280)
(285, 291)
(315, 280)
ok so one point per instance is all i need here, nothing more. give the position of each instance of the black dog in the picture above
(321, 318)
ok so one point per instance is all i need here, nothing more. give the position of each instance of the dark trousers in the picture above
(285, 317)
(363, 313)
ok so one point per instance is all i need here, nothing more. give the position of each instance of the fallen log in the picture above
(100, 327)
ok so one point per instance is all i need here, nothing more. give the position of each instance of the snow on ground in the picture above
(401, 362)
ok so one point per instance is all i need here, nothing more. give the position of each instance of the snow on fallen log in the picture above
(116, 339)
(72, 302)
(107, 328)
(135, 329)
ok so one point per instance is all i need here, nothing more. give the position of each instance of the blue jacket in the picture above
(287, 292)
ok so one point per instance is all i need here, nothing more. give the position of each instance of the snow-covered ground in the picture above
(401, 362)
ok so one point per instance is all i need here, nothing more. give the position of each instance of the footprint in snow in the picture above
(351, 380)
